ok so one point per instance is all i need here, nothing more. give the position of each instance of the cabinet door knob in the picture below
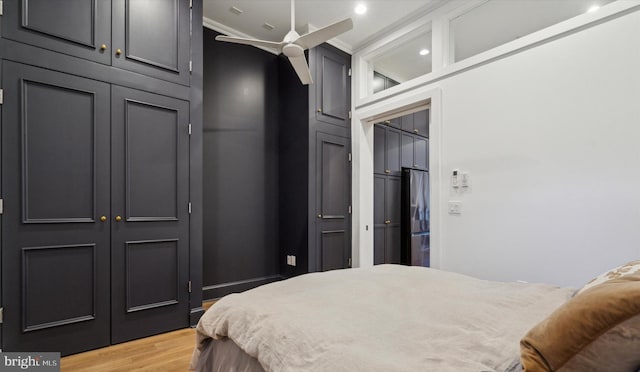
(103, 47)
(103, 218)
(387, 122)
(319, 110)
(118, 218)
(118, 51)
(387, 171)
(319, 216)
(415, 130)
(415, 165)
(387, 222)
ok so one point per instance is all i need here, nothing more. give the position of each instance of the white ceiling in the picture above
(381, 14)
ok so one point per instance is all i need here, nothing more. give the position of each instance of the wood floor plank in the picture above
(170, 352)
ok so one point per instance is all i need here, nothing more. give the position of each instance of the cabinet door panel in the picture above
(392, 200)
(333, 88)
(421, 153)
(153, 37)
(393, 152)
(379, 194)
(378, 245)
(421, 123)
(379, 146)
(407, 151)
(392, 245)
(406, 123)
(73, 27)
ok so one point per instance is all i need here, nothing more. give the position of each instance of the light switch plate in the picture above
(455, 207)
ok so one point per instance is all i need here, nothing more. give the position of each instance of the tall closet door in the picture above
(153, 38)
(332, 87)
(76, 27)
(55, 224)
(333, 190)
(150, 246)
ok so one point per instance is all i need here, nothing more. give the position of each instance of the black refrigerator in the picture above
(415, 217)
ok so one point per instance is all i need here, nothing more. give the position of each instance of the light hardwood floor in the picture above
(167, 352)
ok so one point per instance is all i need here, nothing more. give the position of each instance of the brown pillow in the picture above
(597, 330)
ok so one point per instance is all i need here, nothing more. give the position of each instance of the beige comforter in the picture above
(384, 318)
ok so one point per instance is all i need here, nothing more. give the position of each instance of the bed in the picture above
(383, 318)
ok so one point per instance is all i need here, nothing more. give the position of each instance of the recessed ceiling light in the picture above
(593, 8)
(424, 52)
(360, 8)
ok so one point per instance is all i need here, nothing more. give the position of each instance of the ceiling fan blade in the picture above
(299, 64)
(321, 35)
(277, 46)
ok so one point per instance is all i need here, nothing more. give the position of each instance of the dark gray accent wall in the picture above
(240, 147)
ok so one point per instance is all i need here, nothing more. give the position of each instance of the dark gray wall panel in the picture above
(151, 166)
(58, 160)
(58, 285)
(74, 27)
(240, 166)
(152, 285)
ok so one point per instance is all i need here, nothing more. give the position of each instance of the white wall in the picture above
(551, 139)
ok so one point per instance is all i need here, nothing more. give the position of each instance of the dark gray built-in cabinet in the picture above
(398, 143)
(315, 164)
(100, 171)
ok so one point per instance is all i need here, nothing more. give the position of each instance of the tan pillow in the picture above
(597, 330)
(626, 269)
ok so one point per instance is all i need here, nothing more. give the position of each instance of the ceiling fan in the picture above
(293, 45)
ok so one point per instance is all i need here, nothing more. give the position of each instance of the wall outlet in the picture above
(455, 207)
(291, 260)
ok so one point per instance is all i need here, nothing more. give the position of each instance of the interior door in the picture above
(76, 27)
(55, 225)
(333, 195)
(150, 214)
(333, 87)
(152, 38)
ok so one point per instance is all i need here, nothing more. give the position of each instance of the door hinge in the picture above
(1, 8)
(190, 128)
(349, 114)
(190, 3)
(349, 156)
(1, 206)
(1, 96)
(189, 286)
(1, 310)
(189, 207)
(349, 72)
(190, 66)
(349, 209)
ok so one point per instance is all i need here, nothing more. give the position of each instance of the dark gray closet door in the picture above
(333, 87)
(76, 27)
(150, 214)
(153, 38)
(333, 195)
(55, 186)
